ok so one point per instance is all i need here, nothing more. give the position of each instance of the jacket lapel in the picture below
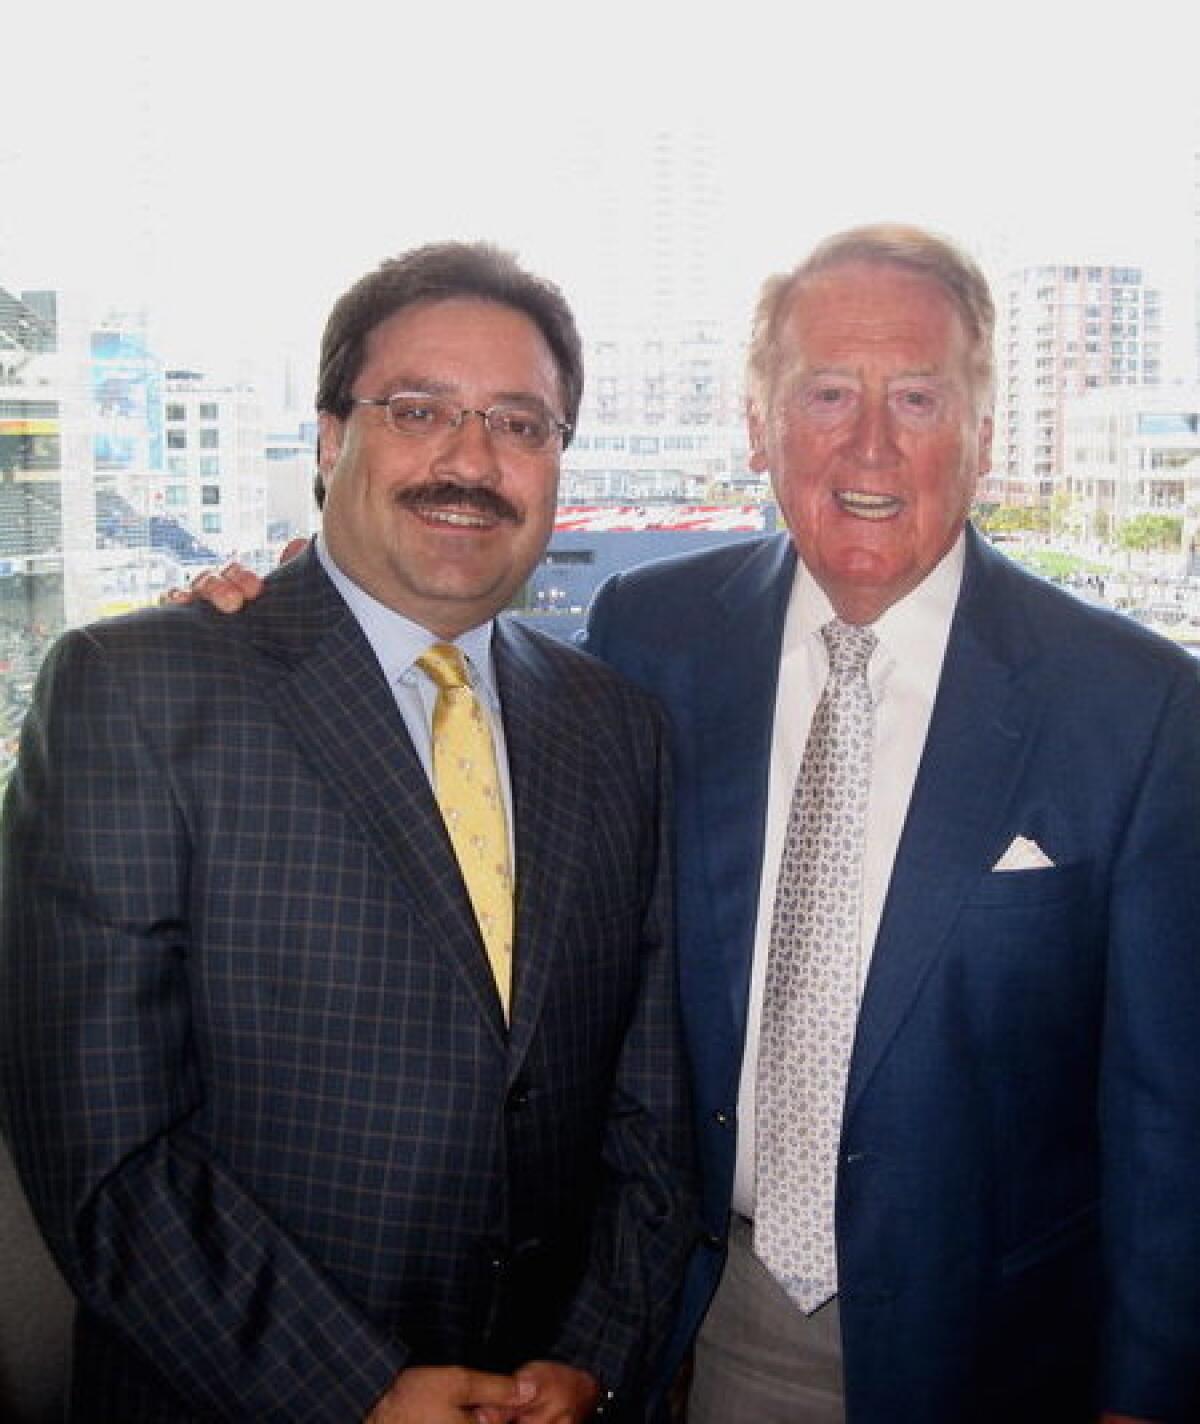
(323, 681)
(740, 631)
(974, 752)
(550, 772)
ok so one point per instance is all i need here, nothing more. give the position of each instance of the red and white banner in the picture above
(630, 518)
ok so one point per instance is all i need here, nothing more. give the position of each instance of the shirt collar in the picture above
(916, 629)
(397, 641)
(913, 632)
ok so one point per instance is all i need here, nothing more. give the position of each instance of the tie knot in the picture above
(444, 664)
(850, 647)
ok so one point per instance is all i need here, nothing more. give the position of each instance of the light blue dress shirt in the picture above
(398, 642)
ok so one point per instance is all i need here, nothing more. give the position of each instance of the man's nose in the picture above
(874, 436)
(468, 449)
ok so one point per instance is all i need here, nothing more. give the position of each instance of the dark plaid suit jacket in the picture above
(255, 1073)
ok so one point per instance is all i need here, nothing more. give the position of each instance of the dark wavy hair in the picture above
(441, 271)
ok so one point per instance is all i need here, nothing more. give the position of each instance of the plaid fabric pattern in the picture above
(253, 1065)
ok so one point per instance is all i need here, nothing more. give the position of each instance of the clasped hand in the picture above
(541, 1392)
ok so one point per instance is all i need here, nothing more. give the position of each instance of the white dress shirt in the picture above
(904, 672)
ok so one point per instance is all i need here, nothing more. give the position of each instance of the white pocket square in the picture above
(1023, 855)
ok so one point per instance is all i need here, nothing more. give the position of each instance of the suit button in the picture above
(518, 1097)
(713, 1241)
(722, 1118)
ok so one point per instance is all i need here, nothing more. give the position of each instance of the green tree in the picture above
(1012, 519)
(1151, 531)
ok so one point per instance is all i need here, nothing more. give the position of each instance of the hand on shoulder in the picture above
(230, 587)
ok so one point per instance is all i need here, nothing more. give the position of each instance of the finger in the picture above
(291, 549)
(245, 580)
(217, 590)
(477, 1390)
(492, 1414)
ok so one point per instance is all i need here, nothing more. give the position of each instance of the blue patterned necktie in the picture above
(810, 1003)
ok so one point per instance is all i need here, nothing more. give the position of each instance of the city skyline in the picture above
(232, 170)
(233, 173)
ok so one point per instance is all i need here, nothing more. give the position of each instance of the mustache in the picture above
(445, 494)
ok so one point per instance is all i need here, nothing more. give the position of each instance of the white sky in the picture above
(238, 164)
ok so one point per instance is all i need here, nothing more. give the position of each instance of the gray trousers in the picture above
(759, 1359)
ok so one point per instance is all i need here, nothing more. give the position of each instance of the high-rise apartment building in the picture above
(126, 380)
(662, 408)
(290, 455)
(1062, 331)
(1196, 246)
(1131, 452)
(214, 482)
(47, 494)
(48, 558)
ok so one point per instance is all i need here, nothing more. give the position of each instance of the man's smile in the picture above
(456, 518)
(458, 506)
(864, 505)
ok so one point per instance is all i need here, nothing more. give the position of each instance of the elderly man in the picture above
(939, 890)
(939, 844)
(339, 1027)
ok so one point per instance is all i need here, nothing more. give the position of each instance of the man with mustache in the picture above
(945, 1060)
(338, 1029)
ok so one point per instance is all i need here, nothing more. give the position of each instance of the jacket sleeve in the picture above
(1150, 1083)
(645, 1223)
(102, 1080)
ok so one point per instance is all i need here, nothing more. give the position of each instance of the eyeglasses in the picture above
(524, 428)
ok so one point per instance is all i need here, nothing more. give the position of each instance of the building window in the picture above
(210, 439)
(208, 410)
(176, 439)
(210, 465)
(560, 558)
(176, 412)
(210, 494)
(210, 523)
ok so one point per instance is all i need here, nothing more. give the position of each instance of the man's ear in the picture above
(756, 424)
(986, 428)
(331, 432)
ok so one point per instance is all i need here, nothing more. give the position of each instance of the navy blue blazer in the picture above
(254, 1068)
(1017, 1219)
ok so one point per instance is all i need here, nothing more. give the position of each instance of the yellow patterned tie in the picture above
(468, 791)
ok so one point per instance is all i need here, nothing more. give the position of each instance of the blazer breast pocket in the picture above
(1048, 885)
(1031, 943)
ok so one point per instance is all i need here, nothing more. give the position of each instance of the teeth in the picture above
(457, 517)
(868, 506)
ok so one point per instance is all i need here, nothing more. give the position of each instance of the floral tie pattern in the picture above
(810, 1003)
